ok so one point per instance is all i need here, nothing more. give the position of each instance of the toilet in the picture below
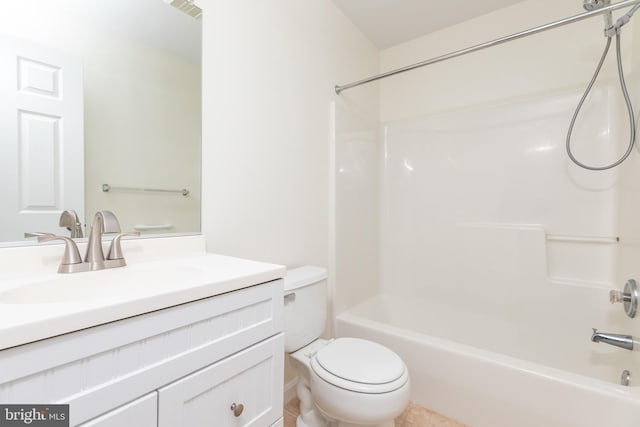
(341, 382)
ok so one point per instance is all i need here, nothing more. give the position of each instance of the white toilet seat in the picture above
(360, 366)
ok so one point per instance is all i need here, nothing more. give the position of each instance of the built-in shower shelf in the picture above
(568, 281)
(528, 251)
(581, 260)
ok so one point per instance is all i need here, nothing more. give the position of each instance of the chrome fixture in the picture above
(71, 259)
(618, 340)
(610, 31)
(625, 378)
(590, 5)
(103, 222)
(550, 26)
(72, 262)
(106, 188)
(36, 234)
(69, 219)
(629, 297)
(115, 257)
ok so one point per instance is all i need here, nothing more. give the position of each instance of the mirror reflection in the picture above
(99, 109)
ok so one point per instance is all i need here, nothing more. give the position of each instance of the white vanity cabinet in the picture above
(237, 391)
(141, 412)
(180, 366)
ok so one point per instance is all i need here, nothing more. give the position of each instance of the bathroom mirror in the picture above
(99, 109)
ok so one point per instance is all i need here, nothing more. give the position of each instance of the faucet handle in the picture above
(629, 297)
(115, 250)
(71, 260)
(36, 234)
(616, 296)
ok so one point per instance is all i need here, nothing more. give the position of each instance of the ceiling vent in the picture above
(186, 6)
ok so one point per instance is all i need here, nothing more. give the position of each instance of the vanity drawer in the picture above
(209, 396)
(142, 412)
(104, 367)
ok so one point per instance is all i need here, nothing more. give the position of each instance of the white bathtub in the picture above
(492, 373)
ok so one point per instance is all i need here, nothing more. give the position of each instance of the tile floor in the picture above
(413, 416)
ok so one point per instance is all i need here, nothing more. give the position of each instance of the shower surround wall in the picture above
(475, 178)
(356, 212)
(474, 147)
(629, 184)
(488, 236)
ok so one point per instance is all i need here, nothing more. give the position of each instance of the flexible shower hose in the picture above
(632, 122)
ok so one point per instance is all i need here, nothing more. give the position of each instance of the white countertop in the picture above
(42, 305)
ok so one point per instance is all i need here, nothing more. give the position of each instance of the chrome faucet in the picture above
(94, 259)
(69, 219)
(623, 341)
(103, 222)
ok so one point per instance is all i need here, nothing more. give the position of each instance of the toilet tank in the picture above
(305, 306)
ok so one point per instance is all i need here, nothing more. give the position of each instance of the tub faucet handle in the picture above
(629, 297)
(616, 296)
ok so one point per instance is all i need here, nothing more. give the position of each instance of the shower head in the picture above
(591, 5)
(595, 4)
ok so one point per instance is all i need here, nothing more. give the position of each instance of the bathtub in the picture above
(485, 371)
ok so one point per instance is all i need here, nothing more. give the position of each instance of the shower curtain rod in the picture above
(521, 34)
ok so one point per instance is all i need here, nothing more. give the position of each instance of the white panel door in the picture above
(41, 137)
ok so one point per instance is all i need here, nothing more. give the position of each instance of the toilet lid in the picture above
(360, 365)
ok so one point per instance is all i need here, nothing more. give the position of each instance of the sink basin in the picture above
(116, 284)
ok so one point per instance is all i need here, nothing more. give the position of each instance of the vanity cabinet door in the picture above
(142, 412)
(244, 389)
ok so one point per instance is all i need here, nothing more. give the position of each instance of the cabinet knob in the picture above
(237, 409)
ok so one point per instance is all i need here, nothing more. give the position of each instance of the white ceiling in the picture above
(389, 22)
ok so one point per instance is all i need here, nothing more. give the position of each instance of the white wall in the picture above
(142, 114)
(269, 72)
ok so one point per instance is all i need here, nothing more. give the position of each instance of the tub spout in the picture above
(623, 341)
